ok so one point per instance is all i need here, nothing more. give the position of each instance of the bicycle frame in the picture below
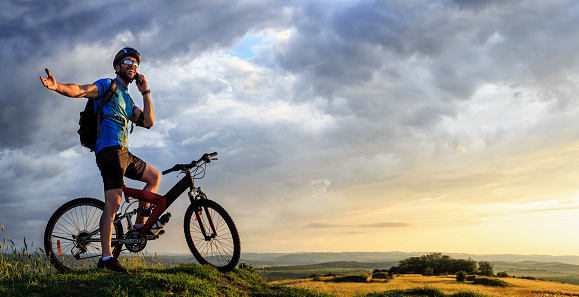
(158, 203)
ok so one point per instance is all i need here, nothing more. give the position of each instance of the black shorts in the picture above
(115, 162)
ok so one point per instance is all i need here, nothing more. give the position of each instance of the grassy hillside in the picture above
(182, 280)
(25, 273)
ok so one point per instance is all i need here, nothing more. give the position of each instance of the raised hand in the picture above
(50, 81)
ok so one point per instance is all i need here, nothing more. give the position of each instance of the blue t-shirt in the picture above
(114, 132)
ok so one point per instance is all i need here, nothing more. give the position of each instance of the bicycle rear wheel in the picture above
(220, 245)
(66, 235)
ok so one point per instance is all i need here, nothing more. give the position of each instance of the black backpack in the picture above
(90, 119)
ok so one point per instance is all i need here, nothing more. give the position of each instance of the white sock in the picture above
(139, 226)
(106, 258)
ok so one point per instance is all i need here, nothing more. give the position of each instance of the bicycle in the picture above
(72, 235)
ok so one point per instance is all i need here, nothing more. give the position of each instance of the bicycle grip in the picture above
(169, 170)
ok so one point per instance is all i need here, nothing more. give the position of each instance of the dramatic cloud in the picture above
(379, 125)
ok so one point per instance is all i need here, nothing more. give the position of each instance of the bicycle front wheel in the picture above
(211, 235)
(66, 239)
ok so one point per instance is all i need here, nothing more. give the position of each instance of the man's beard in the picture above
(125, 76)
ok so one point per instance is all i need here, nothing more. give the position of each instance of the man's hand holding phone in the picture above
(141, 83)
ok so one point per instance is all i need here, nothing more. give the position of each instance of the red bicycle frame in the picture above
(159, 203)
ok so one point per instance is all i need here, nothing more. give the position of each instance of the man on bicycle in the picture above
(111, 150)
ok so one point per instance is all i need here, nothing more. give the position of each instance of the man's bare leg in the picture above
(112, 203)
(152, 179)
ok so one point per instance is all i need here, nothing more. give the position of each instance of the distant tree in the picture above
(485, 268)
(461, 276)
(502, 274)
(428, 271)
(439, 263)
(469, 266)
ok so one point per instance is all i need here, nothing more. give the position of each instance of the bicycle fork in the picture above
(199, 212)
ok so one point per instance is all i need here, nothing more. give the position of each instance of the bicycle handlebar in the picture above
(207, 158)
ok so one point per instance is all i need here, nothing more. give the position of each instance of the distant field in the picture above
(281, 274)
(553, 271)
(446, 284)
(337, 268)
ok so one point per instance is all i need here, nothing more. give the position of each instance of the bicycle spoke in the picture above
(63, 238)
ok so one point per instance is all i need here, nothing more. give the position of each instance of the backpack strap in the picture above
(109, 94)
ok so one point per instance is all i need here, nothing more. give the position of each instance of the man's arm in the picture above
(147, 111)
(70, 90)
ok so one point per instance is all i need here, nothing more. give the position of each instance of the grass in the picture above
(283, 273)
(16, 263)
(409, 285)
(25, 273)
(426, 291)
(182, 280)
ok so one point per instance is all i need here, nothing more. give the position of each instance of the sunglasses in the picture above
(131, 62)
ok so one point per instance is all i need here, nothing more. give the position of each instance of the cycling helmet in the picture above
(127, 51)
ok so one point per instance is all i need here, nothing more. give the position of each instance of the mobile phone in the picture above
(136, 78)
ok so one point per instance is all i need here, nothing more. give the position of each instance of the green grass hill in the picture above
(182, 280)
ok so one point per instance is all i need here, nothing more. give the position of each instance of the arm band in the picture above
(141, 121)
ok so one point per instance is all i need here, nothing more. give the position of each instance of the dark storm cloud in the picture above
(42, 28)
(18, 172)
(325, 50)
(429, 57)
(37, 31)
(189, 28)
(31, 32)
(477, 4)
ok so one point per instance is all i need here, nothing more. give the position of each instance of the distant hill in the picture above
(287, 266)
(317, 258)
(273, 259)
(339, 264)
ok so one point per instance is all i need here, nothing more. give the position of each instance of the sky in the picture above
(341, 126)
